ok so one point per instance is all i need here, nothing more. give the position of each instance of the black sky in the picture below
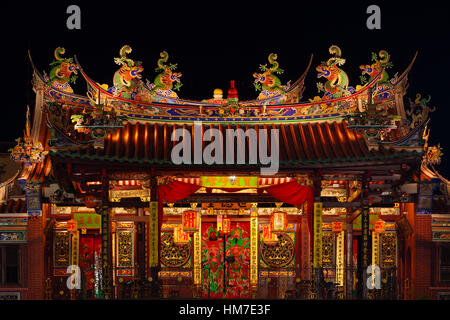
(215, 42)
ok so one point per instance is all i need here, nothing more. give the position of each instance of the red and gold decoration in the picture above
(223, 224)
(336, 226)
(28, 151)
(191, 221)
(72, 225)
(317, 258)
(380, 226)
(278, 221)
(179, 236)
(268, 237)
(253, 246)
(340, 258)
(153, 234)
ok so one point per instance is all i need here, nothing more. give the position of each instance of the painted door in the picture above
(90, 253)
(226, 261)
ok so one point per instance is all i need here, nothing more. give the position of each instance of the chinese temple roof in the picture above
(137, 123)
(301, 145)
(14, 206)
(276, 103)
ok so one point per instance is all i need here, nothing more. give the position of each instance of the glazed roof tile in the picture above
(299, 144)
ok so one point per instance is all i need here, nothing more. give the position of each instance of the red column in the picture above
(34, 273)
(423, 246)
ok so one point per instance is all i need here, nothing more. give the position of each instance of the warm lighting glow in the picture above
(268, 237)
(278, 222)
(179, 236)
(191, 221)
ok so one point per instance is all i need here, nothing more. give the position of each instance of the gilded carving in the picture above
(328, 249)
(173, 255)
(388, 249)
(280, 255)
(124, 248)
(62, 249)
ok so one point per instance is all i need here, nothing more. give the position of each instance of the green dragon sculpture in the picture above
(163, 84)
(337, 84)
(61, 72)
(375, 68)
(126, 80)
(267, 82)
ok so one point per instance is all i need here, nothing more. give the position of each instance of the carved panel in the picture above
(62, 249)
(388, 250)
(173, 255)
(124, 248)
(328, 249)
(280, 255)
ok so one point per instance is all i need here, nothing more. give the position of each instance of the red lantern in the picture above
(278, 222)
(380, 226)
(268, 237)
(179, 236)
(336, 226)
(191, 221)
(72, 225)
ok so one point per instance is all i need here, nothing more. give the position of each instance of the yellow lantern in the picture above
(191, 221)
(268, 237)
(179, 236)
(226, 225)
(278, 222)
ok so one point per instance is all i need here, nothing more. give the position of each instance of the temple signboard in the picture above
(229, 182)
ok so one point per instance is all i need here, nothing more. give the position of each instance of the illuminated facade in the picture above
(355, 186)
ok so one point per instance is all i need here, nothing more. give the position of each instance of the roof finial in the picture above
(232, 92)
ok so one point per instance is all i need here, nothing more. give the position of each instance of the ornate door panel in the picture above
(212, 262)
(226, 262)
(237, 257)
(90, 253)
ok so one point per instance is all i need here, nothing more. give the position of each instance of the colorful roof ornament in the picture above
(267, 82)
(433, 155)
(61, 73)
(372, 122)
(375, 68)
(163, 84)
(98, 122)
(419, 110)
(128, 78)
(337, 84)
(28, 151)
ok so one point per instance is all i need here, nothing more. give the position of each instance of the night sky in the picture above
(215, 42)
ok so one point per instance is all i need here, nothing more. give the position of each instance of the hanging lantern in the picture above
(220, 223)
(278, 222)
(268, 237)
(380, 226)
(191, 221)
(72, 225)
(179, 236)
(336, 226)
(226, 225)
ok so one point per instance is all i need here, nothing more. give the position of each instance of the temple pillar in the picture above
(198, 262)
(365, 232)
(254, 250)
(317, 274)
(154, 237)
(349, 272)
(106, 240)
